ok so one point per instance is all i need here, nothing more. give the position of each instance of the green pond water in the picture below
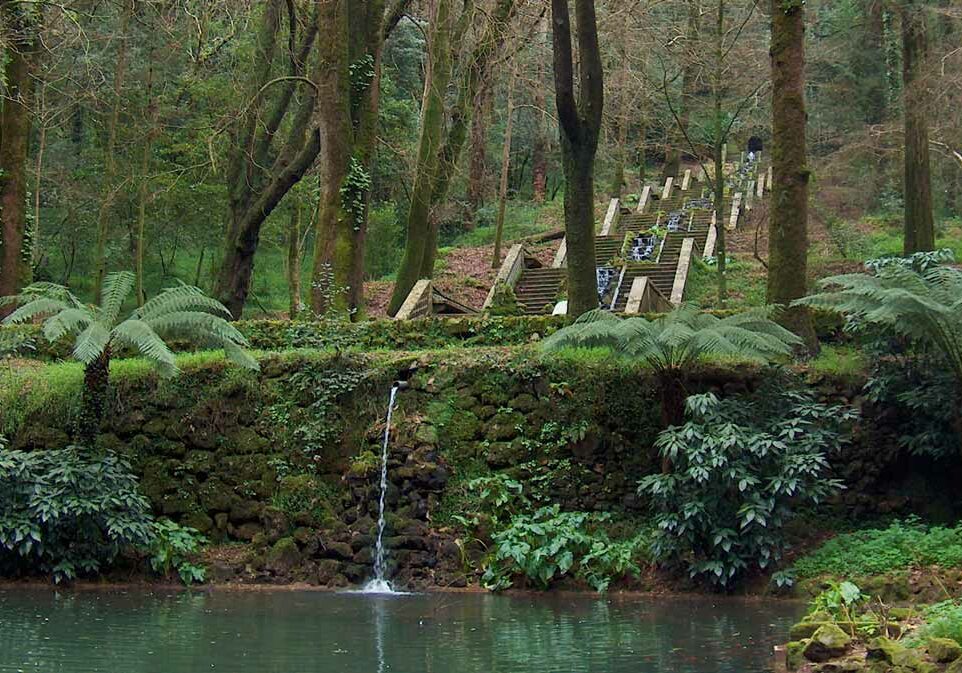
(307, 632)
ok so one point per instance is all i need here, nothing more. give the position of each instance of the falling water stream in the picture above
(379, 585)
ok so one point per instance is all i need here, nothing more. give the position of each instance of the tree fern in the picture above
(184, 312)
(673, 343)
(922, 306)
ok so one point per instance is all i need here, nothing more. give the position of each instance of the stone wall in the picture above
(288, 459)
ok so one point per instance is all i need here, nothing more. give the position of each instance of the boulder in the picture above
(893, 653)
(283, 557)
(943, 650)
(828, 642)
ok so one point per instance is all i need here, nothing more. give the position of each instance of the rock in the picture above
(504, 426)
(340, 551)
(216, 496)
(524, 403)
(246, 531)
(955, 667)
(828, 642)
(943, 650)
(246, 510)
(199, 520)
(901, 614)
(284, 556)
(276, 523)
(841, 666)
(328, 570)
(794, 657)
(891, 652)
(426, 434)
(805, 629)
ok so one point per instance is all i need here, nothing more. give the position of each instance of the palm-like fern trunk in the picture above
(94, 399)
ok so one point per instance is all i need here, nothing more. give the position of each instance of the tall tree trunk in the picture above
(478, 153)
(16, 116)
(721, 252)
(623, 122)
(262, 167)
(539, 159)
(109, 190)
(436, 79)
(580, 125)
(439, 152)
(351, 45)
(919, 219)
(93, 403)
(505, 171)
(143, 189)
(870, 66)
(788, 227)
(294, 263)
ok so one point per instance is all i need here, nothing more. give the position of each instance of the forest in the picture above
(402, 303)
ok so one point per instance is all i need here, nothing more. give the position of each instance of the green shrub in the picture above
(172, 549)
(903, 544)
(942, 620)
(738, 469)
(549, 544)
(68, 512)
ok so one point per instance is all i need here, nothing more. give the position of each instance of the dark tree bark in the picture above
(579, 117)
(870, 67)
(919, 219)
(444, 132)
(294, 243)
(21, 31)
(539, 159)
(351, 45)
(788, 227)
(262, 168)
(478, 154)
(93, 403)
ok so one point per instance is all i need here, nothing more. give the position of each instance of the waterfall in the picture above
(379, 585)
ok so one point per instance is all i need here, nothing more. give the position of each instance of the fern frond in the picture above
(196, 325)
(139, 335)
(116, 288)
(34, 308)
(180, 299)
(91, 343)
(67, 321)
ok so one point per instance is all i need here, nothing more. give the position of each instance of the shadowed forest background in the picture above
(268, 152)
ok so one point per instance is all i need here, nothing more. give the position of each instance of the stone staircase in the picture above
(538, 288)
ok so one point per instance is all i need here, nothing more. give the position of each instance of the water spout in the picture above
(380, 585)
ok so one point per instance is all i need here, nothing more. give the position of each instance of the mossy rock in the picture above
(284, 556)
(828, 642)
(943, 650)
(794, 654)
(504, 426)
(894, 653)
(462, 426)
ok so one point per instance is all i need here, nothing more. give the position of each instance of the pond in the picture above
(307, 632)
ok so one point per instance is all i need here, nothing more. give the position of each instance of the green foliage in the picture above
(68, 512)
(903, 544)
(907, 386)
(738, 471)
(505, 302)
(922, 307)
(919, 262)
(839, 601)
(942, 620)
(677, 340)
(182, 311)
(318, 427)
(549, 544)
(303, 493)
(354, 191)
(172, 548)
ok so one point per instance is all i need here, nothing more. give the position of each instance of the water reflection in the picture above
(295, 632)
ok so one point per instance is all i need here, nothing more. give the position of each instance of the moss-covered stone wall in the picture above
(287, 459)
